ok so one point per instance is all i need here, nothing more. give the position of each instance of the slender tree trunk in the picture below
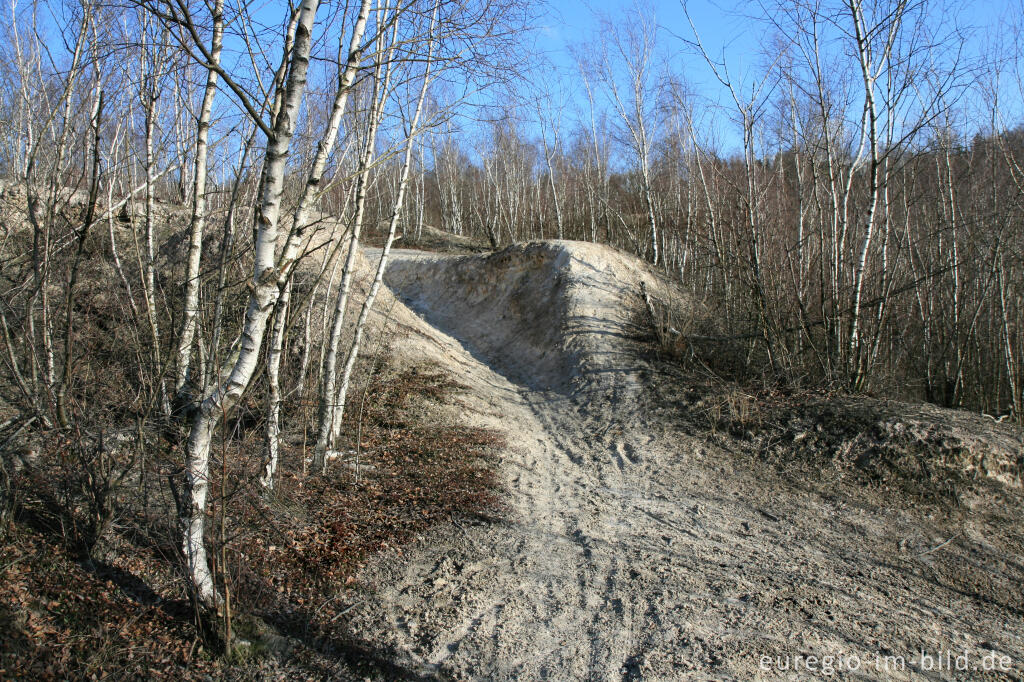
(860, 266)
(274, 388)
(329, 417)
(151, 95)
(396, 213)
(263, 294)
(329, 422)
(63, 418)
(198, 221)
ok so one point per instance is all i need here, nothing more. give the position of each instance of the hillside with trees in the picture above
(282, 288)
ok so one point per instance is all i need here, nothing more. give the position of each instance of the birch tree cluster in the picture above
(185, 190)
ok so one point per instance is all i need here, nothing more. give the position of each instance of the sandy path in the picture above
(633, 551)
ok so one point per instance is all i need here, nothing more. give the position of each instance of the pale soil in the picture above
(634, 545)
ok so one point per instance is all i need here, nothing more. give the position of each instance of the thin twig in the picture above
(937, 547)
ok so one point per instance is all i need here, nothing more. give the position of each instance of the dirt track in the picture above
(633, 551)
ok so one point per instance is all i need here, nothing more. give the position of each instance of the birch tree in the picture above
(299, 225)
(411, 133)
(263, 295)
(198, 220)
(629, 52)
(549, 116)
(153, 66)
(329, 417)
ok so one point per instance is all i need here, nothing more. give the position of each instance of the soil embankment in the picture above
(637, 549)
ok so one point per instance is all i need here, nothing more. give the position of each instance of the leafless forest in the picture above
(186, 187)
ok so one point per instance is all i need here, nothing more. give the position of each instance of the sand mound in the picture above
(549, 315)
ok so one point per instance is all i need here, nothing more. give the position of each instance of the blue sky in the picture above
(725, 25)
(728, 31)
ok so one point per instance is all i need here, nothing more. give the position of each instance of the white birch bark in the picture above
(239, 197)
(549, 153)
(421, 194)
(198, 221)
(635, 45)
(396, 212)
(296, 237)
(307, 340)
(274, 388)
(329, 422)
(864, 54)
(151, 96)
(263, 294)
(300, 221)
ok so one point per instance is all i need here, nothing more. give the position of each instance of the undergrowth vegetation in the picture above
(817, 435)
(90, 575)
